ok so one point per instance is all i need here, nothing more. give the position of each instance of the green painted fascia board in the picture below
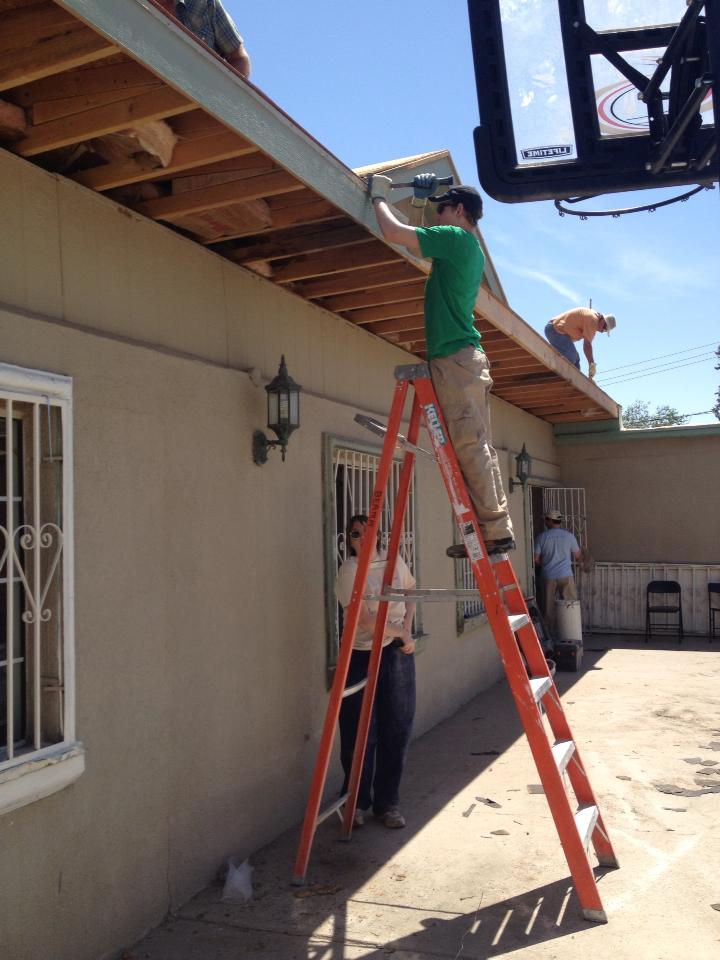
(154, 39)
(608, 431)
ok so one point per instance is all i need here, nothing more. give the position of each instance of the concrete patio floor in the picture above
(466, 880)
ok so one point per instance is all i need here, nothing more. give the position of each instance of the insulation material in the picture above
(155, 139)
(234, 219)
(13, 122)
(243, 217)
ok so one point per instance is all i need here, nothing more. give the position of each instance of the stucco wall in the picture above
(650, 498)
(200, 631)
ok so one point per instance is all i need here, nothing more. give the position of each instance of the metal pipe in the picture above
(9, 585)
(690, 109)
(36, 608)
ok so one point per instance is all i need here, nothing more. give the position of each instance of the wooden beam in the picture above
(388, 311)
(108, 119)
(580, 405)
(357, 280)
(311, 212)
(402, 325)
(218, 195)
(85, 81)
(356, 257)
(187, 155)
(536, 399)
(577, 418)
(59, 53)
(46, 110)
(497, 351)
(27, 25)
(370, 298)
(291, 243)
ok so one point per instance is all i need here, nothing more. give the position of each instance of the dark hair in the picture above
(357, 518)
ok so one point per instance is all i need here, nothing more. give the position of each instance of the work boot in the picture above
(458, 551)
(500, 546)
(359, 817)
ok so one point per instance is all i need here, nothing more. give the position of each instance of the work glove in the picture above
(592, 370)
(424, 186)
(380, 187)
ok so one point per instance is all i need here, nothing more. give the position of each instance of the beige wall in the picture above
(649, 499)
(200, 633)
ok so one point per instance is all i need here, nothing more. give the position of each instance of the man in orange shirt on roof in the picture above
(582, 323)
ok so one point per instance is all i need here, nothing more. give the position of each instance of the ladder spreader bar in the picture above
(328, 811)
(428, 594)
(349, 691)
(380, 429)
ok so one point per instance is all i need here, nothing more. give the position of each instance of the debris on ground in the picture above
(488, 801)
(317, 890)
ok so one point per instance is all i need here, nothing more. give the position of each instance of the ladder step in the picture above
(518, 620)
(349, 691)
(540, 686)
(328, 811)
(562, 751)
(438, 594)
(585, 820)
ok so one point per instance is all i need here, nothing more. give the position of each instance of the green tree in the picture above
(637, 415)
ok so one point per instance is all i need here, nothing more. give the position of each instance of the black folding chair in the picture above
(713, 611)
(671, 603)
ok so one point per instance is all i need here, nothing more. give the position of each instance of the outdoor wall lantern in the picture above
(523, 469)
(283, 414)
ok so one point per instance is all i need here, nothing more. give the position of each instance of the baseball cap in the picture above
(467, 196)
(553, 514)
(609, 322)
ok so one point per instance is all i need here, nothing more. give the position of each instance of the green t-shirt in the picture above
(451, 288)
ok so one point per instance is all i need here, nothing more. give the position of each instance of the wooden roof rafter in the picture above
(83, 71)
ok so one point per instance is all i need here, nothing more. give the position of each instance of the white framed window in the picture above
(349, 473)
(38, 751)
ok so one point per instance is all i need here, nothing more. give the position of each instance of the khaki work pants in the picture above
(565, 587)
(463, 383)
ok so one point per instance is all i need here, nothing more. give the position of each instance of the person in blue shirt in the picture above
(209, 20)
(554, 551)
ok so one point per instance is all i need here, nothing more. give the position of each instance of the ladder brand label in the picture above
(433, 424)
(472, 542)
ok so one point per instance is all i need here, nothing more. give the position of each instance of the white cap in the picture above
(609, 322)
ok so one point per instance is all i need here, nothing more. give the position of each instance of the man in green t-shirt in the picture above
(458, 364)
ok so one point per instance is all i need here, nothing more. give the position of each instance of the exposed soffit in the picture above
(243, 179)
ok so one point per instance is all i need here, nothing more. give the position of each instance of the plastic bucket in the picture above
(568, 620)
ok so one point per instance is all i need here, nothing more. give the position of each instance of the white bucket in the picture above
(569, 621)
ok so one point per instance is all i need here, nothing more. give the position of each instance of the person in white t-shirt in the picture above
(394, 708)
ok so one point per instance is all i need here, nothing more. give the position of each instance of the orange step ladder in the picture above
(527, 671)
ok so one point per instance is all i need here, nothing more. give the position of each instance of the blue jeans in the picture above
(390, 727)
(563, 344)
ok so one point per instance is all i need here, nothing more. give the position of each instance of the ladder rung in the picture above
(562, 751)
(328, 811)
(428, 594)
(585, 820)
(349, 691)
(518, 620)
(540, 686)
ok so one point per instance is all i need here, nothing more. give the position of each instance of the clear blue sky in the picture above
(380, 80)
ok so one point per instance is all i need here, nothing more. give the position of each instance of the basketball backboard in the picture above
(585, 98)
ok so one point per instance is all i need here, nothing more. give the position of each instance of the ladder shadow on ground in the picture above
(535, 916)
